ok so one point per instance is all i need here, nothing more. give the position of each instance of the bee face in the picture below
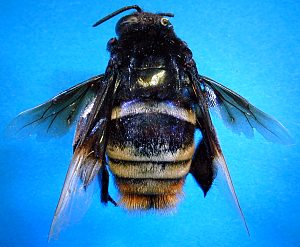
(142, 23)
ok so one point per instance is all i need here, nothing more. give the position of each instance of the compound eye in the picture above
(164, 21)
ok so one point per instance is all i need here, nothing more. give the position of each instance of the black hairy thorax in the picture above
(151, 67)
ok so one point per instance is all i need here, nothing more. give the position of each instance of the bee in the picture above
(138, 120)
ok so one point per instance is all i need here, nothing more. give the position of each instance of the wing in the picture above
(210, 139)
(54, 117)
(88, 158)
(241, 116)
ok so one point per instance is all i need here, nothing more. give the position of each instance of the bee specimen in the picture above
(138, 120)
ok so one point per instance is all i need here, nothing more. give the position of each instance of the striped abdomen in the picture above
(150, 148)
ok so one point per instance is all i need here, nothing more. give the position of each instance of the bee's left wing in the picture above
(88, 157)
(54, 117)
(241, 116)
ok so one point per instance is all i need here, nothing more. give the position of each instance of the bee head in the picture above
(139, 21)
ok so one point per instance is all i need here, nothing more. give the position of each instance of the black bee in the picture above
(138, 120)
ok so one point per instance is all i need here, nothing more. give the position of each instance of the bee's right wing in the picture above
(212, 149)
(241, 116)
(54, 117)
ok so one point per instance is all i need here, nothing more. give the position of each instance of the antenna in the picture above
(138, 9)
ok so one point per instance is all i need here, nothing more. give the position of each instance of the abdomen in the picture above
(150, 148)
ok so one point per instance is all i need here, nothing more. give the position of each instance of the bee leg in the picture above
(202, 168)
(104, 182)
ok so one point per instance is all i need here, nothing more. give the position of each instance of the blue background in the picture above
(250, 46)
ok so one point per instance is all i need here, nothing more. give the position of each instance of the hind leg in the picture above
(104, 183)
(202, 167)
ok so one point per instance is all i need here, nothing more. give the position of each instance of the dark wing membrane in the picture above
(241, 116)
(210, 140)
(54, 117)
(88, 158)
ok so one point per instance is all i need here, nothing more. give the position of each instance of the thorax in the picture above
(153, 77)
